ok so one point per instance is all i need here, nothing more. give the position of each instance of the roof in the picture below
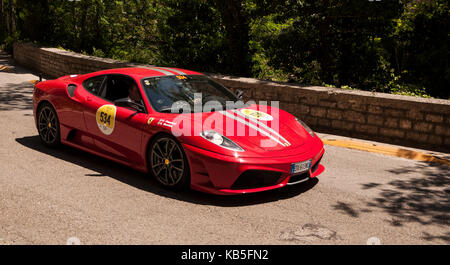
(140, 72)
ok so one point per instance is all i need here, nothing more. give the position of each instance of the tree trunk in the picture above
(84, 12)
(45, 23)
(324, 42)
(8, 29)
(1, 15)
(2, 21)
(237, 31)
(12, 17)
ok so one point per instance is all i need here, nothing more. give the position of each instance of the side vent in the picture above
(71, 89)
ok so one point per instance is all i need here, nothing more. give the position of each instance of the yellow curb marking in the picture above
(387, 150)
(6, 68)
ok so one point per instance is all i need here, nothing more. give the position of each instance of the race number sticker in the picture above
(255, 114)
(182, 77)
(106, 118)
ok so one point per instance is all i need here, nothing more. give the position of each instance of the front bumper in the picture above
(216, 173)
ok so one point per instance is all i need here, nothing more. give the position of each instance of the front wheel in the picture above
(168, 163)
(48, 125)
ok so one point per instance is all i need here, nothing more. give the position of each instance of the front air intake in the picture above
(252, 179)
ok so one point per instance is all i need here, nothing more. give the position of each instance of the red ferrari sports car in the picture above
(178, 126)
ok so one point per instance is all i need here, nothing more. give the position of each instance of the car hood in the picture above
(261, 131)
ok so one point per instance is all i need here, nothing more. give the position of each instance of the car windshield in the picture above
(173, 93)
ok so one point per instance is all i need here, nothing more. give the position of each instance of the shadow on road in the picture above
(106, 168)
(16, 96)
(13, 67)
(424, 200)
(347, 209)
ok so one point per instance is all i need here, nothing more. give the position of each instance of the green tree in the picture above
(421, 50)
(331, 42)
(397, 46)
(192, 35)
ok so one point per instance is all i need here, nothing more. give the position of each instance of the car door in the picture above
(117, 131)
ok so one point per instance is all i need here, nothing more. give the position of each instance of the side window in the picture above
(94, 84)
(117, 87)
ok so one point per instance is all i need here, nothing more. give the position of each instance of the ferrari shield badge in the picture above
(255, 114)
(106, 118)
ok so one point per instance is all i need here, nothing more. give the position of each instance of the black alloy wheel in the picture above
(48, 125)
(168, 163)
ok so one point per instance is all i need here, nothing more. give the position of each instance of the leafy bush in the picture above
(398, 46)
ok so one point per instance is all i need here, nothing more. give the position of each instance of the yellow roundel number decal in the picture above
(255, 114)
(106, 118)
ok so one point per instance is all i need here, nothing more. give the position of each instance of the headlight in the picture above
(220, 140)
(309, 130)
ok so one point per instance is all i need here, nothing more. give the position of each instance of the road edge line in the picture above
(387, 150)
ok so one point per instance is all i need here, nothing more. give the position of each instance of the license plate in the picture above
(300, 167)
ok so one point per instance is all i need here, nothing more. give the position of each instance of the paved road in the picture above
(50, 195)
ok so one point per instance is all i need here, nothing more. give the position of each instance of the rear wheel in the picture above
(48, 125)
(168, 163)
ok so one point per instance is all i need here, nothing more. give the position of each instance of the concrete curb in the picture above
(387, 150)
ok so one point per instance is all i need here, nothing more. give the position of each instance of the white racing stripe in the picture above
(173, 70)
(229, 115)
(261, 124)
(161, 71)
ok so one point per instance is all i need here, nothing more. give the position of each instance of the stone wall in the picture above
(404, 120)
(53, 62)
(397, 119)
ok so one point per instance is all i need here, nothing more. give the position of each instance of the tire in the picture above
(167, 163)
(48, 125)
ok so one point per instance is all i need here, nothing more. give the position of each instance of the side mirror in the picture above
(126, 102)
(239, 94)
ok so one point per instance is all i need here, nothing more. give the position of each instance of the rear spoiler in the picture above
(35, 82)
(67, 76)
(62, 77)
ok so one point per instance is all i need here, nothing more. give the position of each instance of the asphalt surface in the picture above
(52, 196)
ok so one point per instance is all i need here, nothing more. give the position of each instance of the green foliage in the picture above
(422, 46)
(393, 46)
(9, 41)
(192, 35)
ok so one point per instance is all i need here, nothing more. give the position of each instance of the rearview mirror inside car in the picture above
(239, 94)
